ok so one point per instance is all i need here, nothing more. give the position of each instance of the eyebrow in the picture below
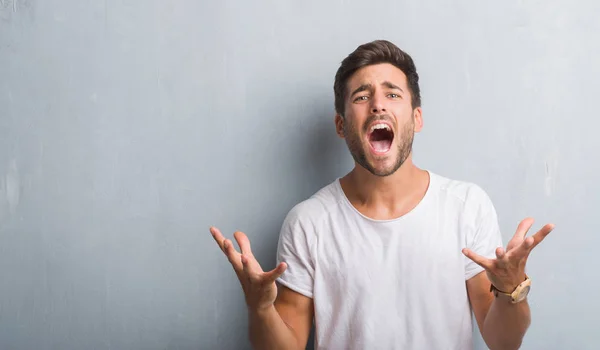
(365, 87)
(389, 85)
(361, 88)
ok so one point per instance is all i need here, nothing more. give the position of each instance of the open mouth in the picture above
(380, 137)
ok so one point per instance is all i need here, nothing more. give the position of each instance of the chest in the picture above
(359, 257)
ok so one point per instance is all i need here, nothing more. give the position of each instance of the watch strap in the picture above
(497, 292)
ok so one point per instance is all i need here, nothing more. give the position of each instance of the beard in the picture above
(354, 141)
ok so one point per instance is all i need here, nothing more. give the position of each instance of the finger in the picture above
(246, 250)
(243, 242)
(529, 243)
(520, 252)
(539, 236)
(218, 237)
(274, 274)
(251, 267)
(502, 258)
(524, 249)
(486, 263)
(522, 230)
(234, 257)
(248, 271)
(500, 253)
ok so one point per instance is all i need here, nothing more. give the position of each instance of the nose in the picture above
(377, 105)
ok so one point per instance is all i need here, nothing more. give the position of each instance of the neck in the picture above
(386, 196)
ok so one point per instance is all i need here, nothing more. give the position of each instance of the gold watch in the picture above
(518, 295)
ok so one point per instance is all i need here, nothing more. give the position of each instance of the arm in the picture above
(502, 324)
(278, 319)
(285, 325)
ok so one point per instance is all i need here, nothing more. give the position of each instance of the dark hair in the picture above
(375, 52)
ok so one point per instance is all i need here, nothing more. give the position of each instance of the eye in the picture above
(361, 98)
(393, 95)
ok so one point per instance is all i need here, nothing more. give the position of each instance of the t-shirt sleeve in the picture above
(485, 236)
(295, 248)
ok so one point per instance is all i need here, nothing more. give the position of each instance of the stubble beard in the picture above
(355, 146)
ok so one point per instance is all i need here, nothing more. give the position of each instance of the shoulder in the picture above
(299, 232)
(310, 212)
(475, 212)
(316, 207)
(467, 195)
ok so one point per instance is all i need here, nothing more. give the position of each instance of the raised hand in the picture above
(259, 287)
(507, 271)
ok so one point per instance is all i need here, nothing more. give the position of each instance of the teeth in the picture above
(380, 126)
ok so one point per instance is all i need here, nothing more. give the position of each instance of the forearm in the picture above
(505, 324)
(269, 331)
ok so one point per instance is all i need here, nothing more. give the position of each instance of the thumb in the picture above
(274, 274)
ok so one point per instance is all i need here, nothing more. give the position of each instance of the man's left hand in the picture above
(507, 271)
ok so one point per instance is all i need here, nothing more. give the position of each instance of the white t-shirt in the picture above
(389, 284)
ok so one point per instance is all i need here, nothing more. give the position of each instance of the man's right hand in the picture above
(259, 287)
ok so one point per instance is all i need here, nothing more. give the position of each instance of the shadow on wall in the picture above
(322, 160)
(317, 156)
(307, 154)
(314, 157)
(325, 154)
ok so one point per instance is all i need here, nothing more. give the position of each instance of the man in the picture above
(389, 256)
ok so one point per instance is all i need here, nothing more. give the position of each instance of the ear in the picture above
(418, 118)
(339, 125)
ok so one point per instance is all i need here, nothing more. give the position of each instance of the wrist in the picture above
(261, 311)
(514, 295)
(508, 288)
